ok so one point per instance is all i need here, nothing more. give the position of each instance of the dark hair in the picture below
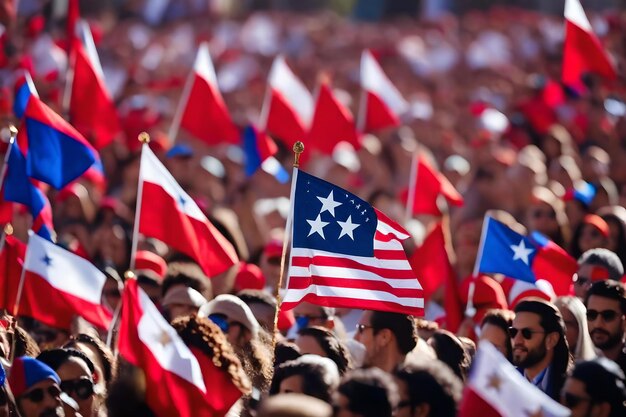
(401, 325)
(604, 258)
(334, 348)
(370, 392)
(55, 358)
(450, 351)
(315, 379)
(610, 289)
(604, 382)
(25, 345)
(188, 274)
(105, 354)
(250, 296)
(285, 351)
(432, 383)
(503, 319)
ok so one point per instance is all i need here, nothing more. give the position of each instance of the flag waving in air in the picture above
(259, 150)
(345, 253)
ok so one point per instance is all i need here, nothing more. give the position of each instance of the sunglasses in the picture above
(83, 387)
(526, 332)
(222, 322)
(607, 315)
(571, 400)
(38, 394)
(360, 328)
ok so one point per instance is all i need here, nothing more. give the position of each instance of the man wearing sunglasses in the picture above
(540, 349)
(595, 389)
(36, 388)
(606, 319)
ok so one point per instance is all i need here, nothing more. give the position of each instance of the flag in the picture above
(382, 104)
(429, 185)
(72, 286)
(288, 106)
(55, 152)
(169, 214)
(11, 263)
(332, 123)
(259, 150)
(582, 50)
(73, 14)
(345, 253)
(496, 389)
(19, 189)
(528, 259)
(204, 112)
(178, 382)
(24, 88)
(92, 110)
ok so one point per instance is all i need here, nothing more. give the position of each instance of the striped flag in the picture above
(345, 253)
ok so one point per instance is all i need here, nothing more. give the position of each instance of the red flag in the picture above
(11, 262)
(288, 108)
(92, 110)
(180, 381)
(73, 14)
(429, 184)
(169, 214)
(332, 123)
(582, 50)
(205, 114)
(383, 104)
(553, 264)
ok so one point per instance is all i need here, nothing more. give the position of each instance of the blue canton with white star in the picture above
(331, 219)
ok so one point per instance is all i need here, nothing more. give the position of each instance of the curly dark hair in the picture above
(334, 348)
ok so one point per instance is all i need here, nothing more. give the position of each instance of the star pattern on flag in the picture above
(182, 201)
(164, 339)
(347, 228)
(494, 382)
(317, 226)
(521, 252)
(46, 260)
(329, 203)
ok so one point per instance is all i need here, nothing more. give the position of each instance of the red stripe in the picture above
(343, 302)
(379, 236)
(318, 260)
(472, 404)
(299, 283)
(389, 254)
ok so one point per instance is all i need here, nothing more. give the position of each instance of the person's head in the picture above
(263, 306)
(495, 329)
(294, 405)
(308, 314)
(309, 374)
(48, 337)
(546, 215)
(427, 389)
(182, 301)
(234, 317)
(76, 372)
(321, 341)
(595, 389)
(450, 350)
(591, 233)
(615, 217)
(576, 330)
(285, 351)
(366, 393)
(387, 337)
(189, 274)
(606, 310)
(36, 388)
(596, 265)
(538, 336)
(99, 354)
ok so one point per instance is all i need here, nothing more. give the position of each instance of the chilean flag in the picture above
(72, 286)
(180, 381)
(204, 113)
(529, 259)
(169, 214)
(92, 110)
(259, 150)
(288, 107)
(382, 105)
(582, 50)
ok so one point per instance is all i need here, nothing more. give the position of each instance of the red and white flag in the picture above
(71, 284)
(11, 263)
(179, 381)
(288, 107)
(332, 123)
(92, 110)
(382, 105)
(496, 389)
(582, 50)
(169, 214)
(204, 113)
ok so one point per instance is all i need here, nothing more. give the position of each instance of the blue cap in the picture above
(181, 150)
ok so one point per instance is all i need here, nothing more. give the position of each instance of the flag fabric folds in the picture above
(71, 284)
(178, 383)
(259, 150)
(169, 214)
(582, 50)
(496, 389)
(345, 253)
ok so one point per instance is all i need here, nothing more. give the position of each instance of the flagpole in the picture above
(178, 116)
(116, 314)
(470, 310)
(69, 80)
(298, 148)
(410, 202)
(265, 110)
(144, 138)
(3, 173)
(18, 298)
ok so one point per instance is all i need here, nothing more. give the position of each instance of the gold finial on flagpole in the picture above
(13, 131)
(143, 137)
(298, 148)
(129, 275)
(8, 229)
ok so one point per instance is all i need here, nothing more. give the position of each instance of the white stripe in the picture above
(153, 171)
(391, 245)
(349, 273)
(90, 48)
(283, 80)
(387, 229)
(167, 347)
(67, 272)
(374, 80)
(204, 66)
(575, 13)
(391, 264)
(294, 296)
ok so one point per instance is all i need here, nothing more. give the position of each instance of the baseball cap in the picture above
(233, 308)
(26, 372)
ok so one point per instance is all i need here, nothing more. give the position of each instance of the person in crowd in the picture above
(595, 388)
(592, 232)
(596, 265)
(366, 393)
(615, 217)
(574, 315)
(540, 348)
(606, 318)
(36, 388)
(309, 374)
(308, 314)
(263, 306)
(321, 341)
(100, 355)
(294, 405)
(495, 329)
(285, 351)
(387, 337)
(546, 215)
(451, 351)
(181, 301)
(187, 274)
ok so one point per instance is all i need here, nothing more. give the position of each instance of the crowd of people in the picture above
(486, 106)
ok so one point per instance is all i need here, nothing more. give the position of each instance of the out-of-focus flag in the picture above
(259, 150)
